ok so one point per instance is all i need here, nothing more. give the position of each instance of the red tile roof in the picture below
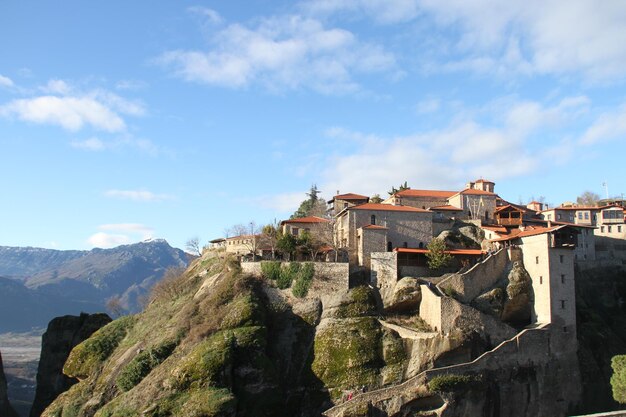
(445, 208)
(425, 193)
(451, 251)
(501, 208)
(528, 231)
(387, 207)
(308, 219)
(472, 191)
(350, 196)
(482, 180)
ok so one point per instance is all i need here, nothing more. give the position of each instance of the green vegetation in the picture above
(437, 257)
(303, 281)
(90, 354)
(287, 275)
(618, 379)
(142, 364)
(361, 302)
(312, 206)
(449, 383)
(270, 270)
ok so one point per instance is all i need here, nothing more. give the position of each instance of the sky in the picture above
(122, 121)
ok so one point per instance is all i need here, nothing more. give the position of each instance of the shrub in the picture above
(288, 275)
(170, 286)
(270, 270)
(618, 379)
(303, 281)
(437, 257)
(449, 382)
(142, 364)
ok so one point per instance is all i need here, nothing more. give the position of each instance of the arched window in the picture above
(405, 245)
(373, 219)
(421, 246)
(389, 247)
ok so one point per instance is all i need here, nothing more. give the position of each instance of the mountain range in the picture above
(38, 284)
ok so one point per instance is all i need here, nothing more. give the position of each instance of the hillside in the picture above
(5, 408)
(54, 283)
(218, 342)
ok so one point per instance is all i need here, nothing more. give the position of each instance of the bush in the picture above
(142, 364)
(170, 286)
(287, 275)
(618, 379)
(449, 382)
(303, 281)
(270, 270)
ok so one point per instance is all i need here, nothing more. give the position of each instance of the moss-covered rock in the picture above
(90, 354)
(406, 296)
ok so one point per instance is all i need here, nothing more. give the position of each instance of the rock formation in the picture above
(5, 408)
(62, 335)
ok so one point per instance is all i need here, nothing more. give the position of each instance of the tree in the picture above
(402, 187)
(618, 379)
(588, 198)
(312, 206)
(269, 236)
(437, 257)
(376, 198)
(114, 306)
(192, 246)
(287, 243)
(323, 235)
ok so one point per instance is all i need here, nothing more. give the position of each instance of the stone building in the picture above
(311, 224)
(423, 199)
(375, 227)
(343, 201)
(244, 245)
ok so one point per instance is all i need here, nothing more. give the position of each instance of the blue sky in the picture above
(122, 120)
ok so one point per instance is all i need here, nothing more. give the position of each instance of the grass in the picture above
(142, 364)
(449, 383)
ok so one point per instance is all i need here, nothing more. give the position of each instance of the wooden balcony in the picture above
(506, 221)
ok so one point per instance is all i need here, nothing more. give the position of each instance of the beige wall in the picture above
(370, 240)
(240, 245)
(465, 201)
(418, 202)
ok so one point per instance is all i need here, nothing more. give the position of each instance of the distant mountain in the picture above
(78, 281)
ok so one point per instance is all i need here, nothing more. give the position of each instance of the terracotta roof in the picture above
(472, 191)
(425, 193)
(445, 208)
(499, 229)
(308, 219)
(219, 239)
(387, 207)
(502, 208)
(374, 227)
(350, 196)
(482, 180)
(529, 231)
(451, 251)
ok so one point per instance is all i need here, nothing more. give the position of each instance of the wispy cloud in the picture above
(137, 195)
(112, 235)
(608, 126)
(382, 11)
(65, 106)
(209, 14)
(281, 53)
(92, 144)
(5, 81)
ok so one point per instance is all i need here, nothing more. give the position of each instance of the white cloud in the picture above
(211, 15)
(137, 195)
(549, 37)
(92, 144)
(282, 203)
(119, 234)
(107, 240)
(71, 113)
(280, 53)
(511, 145)
(430, 105)
(57, 87)
(607, 126)
(5, 81)
(382, 11)
(130, 85)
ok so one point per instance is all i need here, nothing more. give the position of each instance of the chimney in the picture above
(337, 192)
(549, 223)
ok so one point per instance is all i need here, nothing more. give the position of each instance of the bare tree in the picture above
(250, 236)
(114, 306)
(193, 246)
(270, 235)
(588, 198)
(323, 237)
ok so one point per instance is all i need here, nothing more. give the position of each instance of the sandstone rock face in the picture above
(517, 306)
(62, 335)
(462, 236)
(5, 407)
(406, 296)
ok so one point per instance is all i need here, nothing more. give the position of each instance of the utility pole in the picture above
(606, 189)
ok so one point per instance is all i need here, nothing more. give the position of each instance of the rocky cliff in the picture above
(5, 408)
(217, 342)
(62, 335)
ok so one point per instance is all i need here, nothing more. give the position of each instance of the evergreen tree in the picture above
(312, 206)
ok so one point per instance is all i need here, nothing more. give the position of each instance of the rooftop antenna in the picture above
(606, 189)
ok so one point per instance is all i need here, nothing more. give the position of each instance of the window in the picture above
(540, 280)
(562, 304)
(549, 217)
(564, 329)
(561, 258)
(373, 219)
(558, 216)
(389, 246)
(295, 231)
(486, 215)
(562, 279)
(580, 215)
(608, 229)
(586, 215)
(601, 229)
(619, 229)
(537, 260)
(405, 245)
(345, 205)
(421, 245)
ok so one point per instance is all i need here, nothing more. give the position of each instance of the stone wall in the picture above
(430, 308)
(329, 276)
(384, 270)
(480, 277)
